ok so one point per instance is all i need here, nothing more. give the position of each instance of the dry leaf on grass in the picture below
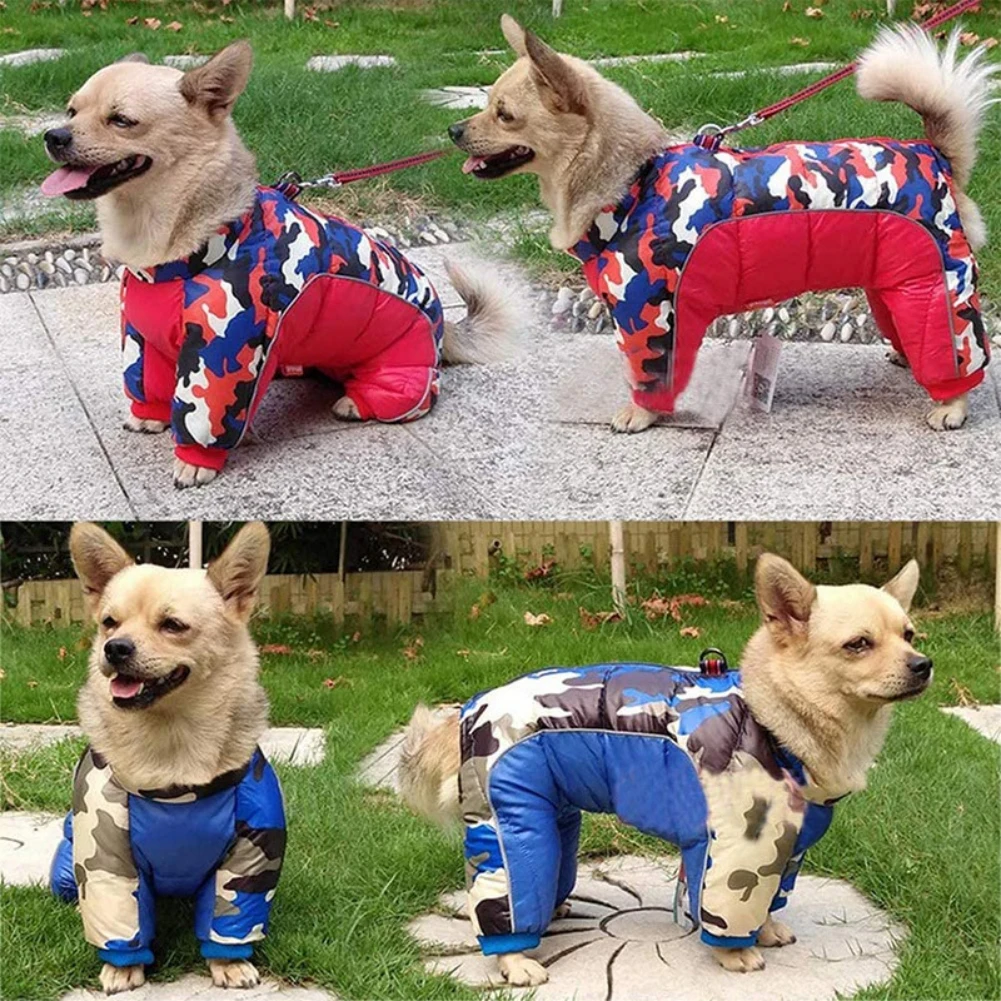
(801, 42)
(690, 632)
(964, 697)
(32, 684)
(174, 26)
(537, 620)
(413, 650)
(591, 620)
(62, 653)
(722, 19)
(813, 12)
(544, 569)
(153, 23)
(276, 648)
(968, 38)
(338, 682)
(657, 607)
(462, 653)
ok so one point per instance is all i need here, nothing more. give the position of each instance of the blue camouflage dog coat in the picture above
(671, 752)
(221, 843)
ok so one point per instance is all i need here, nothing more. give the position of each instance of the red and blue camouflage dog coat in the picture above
(702, 234)
(281, 286)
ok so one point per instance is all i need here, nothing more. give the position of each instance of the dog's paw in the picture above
(143, 426)
(632, 418)
(949, 415)
(186, 475)
(346, 409)
(563, 911)
(894, 357)
(115, 979)
(520, 971)
(774, 934)
(233, 973)
(739, 960)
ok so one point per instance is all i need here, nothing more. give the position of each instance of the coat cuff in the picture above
(729, 941)
(199, 455)
(659, 400)
(151, 411)
(496, 945)
(221, 950)
(142, 956)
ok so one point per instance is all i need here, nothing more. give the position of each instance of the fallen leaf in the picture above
(309, 14)
(132, 20)
(316, 654)
(226, 20)
(861, 14)
(356, 637)
(964, 697)
(690, 632)
(544, 569)
(276, 648)
(813, 12)
(968, 38)
(332, 24)
(338, 682)
(62, 653)
(474, 612)
(990, 42)
(462, 653)
(32, 684)
(786, 7)
(537, 620)
(658, 607)
(722, 19)
(591, 620)
(174, 26)
(801, 42)
(153, 23)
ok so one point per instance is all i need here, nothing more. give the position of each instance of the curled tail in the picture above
(488, 331)
(950, 93)
(429, 766)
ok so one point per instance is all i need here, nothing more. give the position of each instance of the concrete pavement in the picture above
(527, 438)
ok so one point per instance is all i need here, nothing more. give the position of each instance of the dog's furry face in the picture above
(162, 634)
(852, 641)
(131, 123)
(535, 115)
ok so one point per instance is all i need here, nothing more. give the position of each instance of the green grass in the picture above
(922, 842)
(315, 122)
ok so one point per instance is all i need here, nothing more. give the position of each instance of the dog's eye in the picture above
(908, 635)
(173, 626)
(70, 112)
(504, 115)
(108, 622)
(859, 645)
(121, 122)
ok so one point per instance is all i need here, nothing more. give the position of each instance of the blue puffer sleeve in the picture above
(61, 878)
(244, 884)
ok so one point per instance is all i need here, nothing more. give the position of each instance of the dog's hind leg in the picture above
(774, 934)
(739, 960)
(115, 979)
(233, 973)
(388, 394)
(632, 418)
(520, 971)
(949, 415)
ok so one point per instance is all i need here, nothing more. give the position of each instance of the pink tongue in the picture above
(125, 688)
(66, 179)
(471, 164)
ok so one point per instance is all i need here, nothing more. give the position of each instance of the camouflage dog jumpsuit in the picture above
(281, 287)
(671, 752)
(222, 843)
(702, 234)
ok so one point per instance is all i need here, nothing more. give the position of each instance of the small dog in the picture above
(672, 235)
(172, 796)
(739, 770)
(227, 283)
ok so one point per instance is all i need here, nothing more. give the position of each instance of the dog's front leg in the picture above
(520, 971)
(739, 960)
(115, 979)
(233, 973)
(632, 418)
(949, 415)
(144, 425)
(774, 934)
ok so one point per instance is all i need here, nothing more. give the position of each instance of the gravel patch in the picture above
(29, 56)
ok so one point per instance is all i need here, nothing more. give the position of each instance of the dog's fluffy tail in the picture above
(488, 331)
(429, 766)
(950, 93)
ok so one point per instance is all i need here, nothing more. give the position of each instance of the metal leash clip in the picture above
(291, 183)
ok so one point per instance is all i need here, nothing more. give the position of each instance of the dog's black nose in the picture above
(118, 651)
(457, 131)
(921, 666)
(58, 140)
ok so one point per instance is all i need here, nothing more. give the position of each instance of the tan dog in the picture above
(172, 698)
(158, 150)
(821, 675)
(555, 116)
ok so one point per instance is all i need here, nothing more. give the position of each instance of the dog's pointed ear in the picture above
(784, 596)
(514, 33)
(216, 85)
(134, 57)
(237, 573)
(97, 557)
(904, 586)
(556, 76)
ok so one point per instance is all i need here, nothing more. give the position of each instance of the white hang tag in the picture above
(762, 372)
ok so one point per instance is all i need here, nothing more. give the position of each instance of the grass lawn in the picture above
(314, 122)
(922, 841)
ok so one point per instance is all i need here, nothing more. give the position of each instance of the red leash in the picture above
(711, 136)
(291, 183)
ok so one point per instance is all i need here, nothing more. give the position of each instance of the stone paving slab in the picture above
(986, 720)
(595, 388)
(30, 56)
(195, 986)
(847, 437)
(330, 64)
(27, 843)
(290, 745)
(620, 941)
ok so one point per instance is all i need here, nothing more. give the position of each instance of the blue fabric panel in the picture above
(61, 878)
(495, 945)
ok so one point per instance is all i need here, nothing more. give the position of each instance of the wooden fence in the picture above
(397, 595)
(968, 547)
